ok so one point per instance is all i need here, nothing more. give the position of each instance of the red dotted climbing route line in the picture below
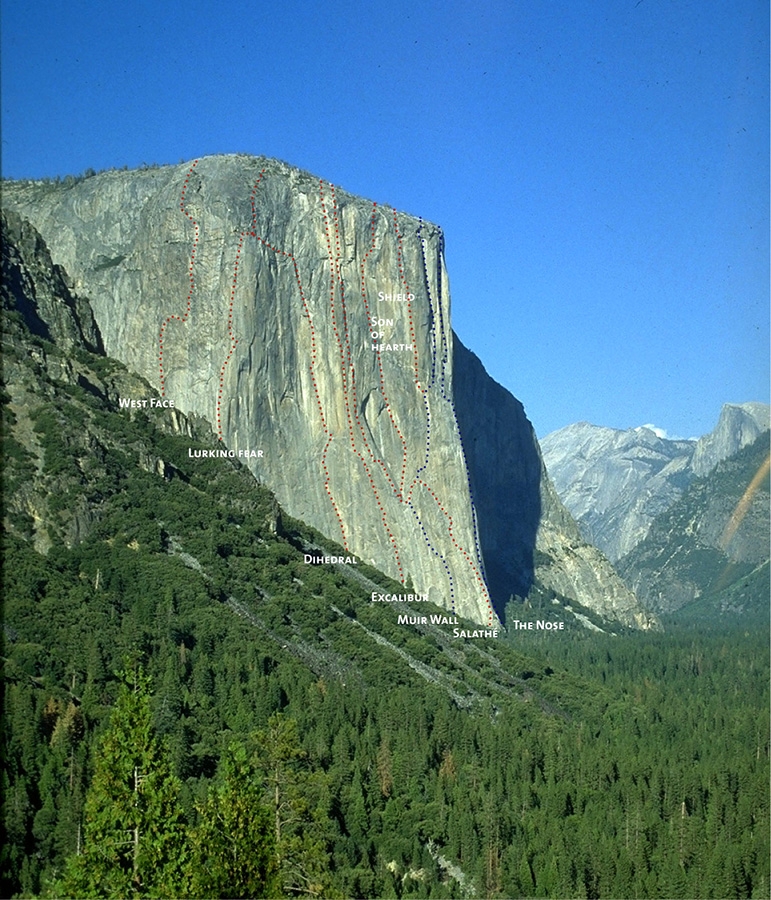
(231, 335)
(337, 270)
(332, 270)
(183, 318)
(474, 563)
(424, 391)
(335, 286)
(307, 315)
(450, 525)
(342, 337)
(346, 360)
(398, 491)
(334, 280)
(417, 479)
(462, 550)
(360, 440)
(343, 344)
(403, 279)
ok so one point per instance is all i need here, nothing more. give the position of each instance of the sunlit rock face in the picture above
(309, 326)
(312, 329)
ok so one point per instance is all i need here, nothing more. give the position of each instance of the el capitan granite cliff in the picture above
(312, 329)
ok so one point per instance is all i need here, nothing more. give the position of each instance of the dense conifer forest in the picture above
(643, 771)
(650, 778)
(192, 711)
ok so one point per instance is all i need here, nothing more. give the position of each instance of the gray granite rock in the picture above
(52, 310)
(738, 426)
(617, 482)
(248, 292)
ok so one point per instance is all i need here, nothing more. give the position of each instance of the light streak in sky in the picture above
(744, 503)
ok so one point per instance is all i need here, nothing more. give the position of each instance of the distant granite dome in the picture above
(617, 482)
(312, 329)
(739, 425)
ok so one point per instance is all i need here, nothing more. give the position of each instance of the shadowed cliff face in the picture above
(526, 533)
(505, 473)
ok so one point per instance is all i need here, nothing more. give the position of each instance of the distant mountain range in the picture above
(616, 482)
(686, 522)
(709, 552)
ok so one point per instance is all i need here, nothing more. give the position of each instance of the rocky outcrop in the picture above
(616, 482)
(41, 290)
(55, 477)
(312, 329)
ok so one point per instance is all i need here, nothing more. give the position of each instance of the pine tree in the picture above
(234, 849)
(290, 790)
(134, 840)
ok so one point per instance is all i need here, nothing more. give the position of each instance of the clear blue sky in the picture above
(600, 168)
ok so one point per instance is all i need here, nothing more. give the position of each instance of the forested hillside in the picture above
(192, 710)
(642, 771)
